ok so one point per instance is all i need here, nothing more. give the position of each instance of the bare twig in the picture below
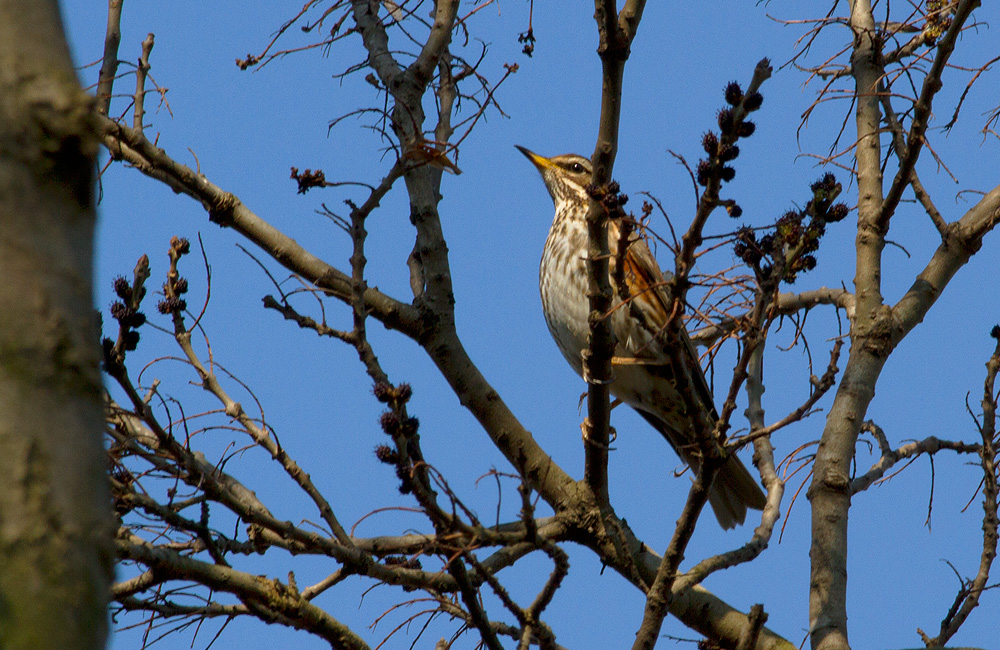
(899, 143)
(748, 639)
(270, 594)
(615, 34)
(890, 457)
(915, 138)
(968, 597)
(109, 64)
(141, 71)
(820, 386)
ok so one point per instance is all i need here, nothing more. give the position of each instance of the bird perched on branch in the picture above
(642, 375)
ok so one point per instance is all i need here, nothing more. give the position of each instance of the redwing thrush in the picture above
(647, 385)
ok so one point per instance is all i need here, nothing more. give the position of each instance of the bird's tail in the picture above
(733, 491)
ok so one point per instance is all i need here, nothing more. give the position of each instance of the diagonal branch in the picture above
(422, 69)
(253, 590)
(868, 72)
(694, 606)
(228, 211)
(971, 591)
(890, 456)
(899, 143)
(660, 595)
(614, 51)
(376, 42)
(109, 64)
(922, 111)
(965, 237)
(828, 492)
(441, 342)
(786, 304)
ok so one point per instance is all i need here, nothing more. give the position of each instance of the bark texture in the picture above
(55, 524)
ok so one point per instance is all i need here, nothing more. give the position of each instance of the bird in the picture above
(642, 376)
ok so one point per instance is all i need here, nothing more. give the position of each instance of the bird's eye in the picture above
(576, 168)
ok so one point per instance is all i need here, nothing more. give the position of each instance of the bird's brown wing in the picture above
(647, 287)
(734, 488)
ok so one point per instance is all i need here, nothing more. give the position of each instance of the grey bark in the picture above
(55, 524)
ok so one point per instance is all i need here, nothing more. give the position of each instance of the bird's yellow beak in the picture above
(541, 162)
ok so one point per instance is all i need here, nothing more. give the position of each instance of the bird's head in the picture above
(565, 176)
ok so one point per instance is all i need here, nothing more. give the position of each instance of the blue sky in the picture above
(246, 129)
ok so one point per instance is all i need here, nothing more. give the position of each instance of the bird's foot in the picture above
(586, 429)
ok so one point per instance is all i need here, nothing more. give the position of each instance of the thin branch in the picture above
(748, 639)
(141, 71)
(422, 69)
(929, 445)
(922, 111)
(109, 63)
(820, 387)
(972, 590)
(787, 304)
(965, 237)
(249, 588)
(227, 210)
(660, 595)
(613, 49)
(471, 599)
(260, 434)
(899, 143)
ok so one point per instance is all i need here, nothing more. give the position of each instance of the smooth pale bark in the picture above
(55, 523)
(829, 492)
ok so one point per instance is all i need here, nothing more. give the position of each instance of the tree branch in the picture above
(422, 69)
(786, 304)
(890, 457)
(228, 211)
(613, 49)
(902, 151)
(829, 491)
(922, 112)
(253, 590)
(109, 63)
(970, 593)
(965, 237)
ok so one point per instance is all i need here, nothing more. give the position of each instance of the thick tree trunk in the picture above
(55, 524)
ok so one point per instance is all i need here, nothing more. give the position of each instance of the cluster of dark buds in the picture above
(308, 179)
(611, 198)
(721, 148)
(171, 305)
(393, 395)
(175, 286)
(788, 249)
(128, 317)
(404, 562)
(248, 62)
(402, 429)
(939, 15)
(125, 310)
(613, 201)
(528, 39)
(394, 424)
